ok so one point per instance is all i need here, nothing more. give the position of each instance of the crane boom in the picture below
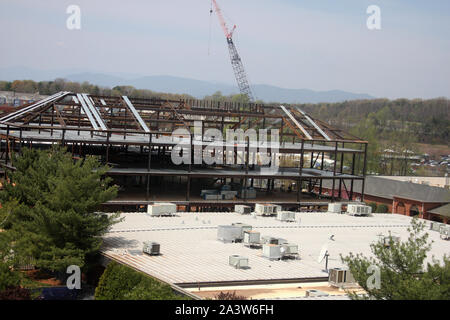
(236, 62)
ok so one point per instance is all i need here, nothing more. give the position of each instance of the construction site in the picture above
(258, 199)
(254, 152)
(137, 139)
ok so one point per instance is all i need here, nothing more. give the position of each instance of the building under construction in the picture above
(135, 137)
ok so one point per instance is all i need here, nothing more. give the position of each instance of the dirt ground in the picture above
(41, 277)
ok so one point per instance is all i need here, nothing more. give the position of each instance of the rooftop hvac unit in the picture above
(444, 230)
(252, 238)
(436, 226)
(277, 209)
(151, 248)
(265, 209)
(272, 240)
(335, 207)
(286, 216)
(315, 293)
(161, 209)
(272, 251)
(339, 277)
(238, 261)
(358, 210)
(244, 227)
(269, 240)
(242, 209)
(290, 248)
(349, 279)
(229, 233)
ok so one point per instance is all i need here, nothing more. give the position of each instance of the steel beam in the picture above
(296, 122)
(135, 113)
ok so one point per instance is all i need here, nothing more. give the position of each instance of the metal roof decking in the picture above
(191, 252)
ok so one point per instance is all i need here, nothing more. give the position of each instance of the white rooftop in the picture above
(191, 252)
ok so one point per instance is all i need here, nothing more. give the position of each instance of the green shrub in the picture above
(382, 208)
(373, 205)
(8, 278)
(119, 282)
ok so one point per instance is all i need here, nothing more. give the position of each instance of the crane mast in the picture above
(236, 62)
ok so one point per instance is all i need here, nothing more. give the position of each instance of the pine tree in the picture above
(8, 278)
(52, 201)
(403, 272)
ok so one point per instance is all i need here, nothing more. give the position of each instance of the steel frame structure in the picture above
(102, 125)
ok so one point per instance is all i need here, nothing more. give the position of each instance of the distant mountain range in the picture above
(171, 84)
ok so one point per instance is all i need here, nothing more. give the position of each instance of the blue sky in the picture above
(314, 44)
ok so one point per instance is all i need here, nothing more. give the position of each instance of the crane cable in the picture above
(210, 27)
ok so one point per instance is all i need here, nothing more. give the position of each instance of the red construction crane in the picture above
(236, 62)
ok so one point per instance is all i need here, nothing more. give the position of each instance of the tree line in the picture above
(52, 87)
(427, 120)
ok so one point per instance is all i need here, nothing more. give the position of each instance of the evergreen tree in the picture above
(52, 202)
(8, 278)
(403, 273)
